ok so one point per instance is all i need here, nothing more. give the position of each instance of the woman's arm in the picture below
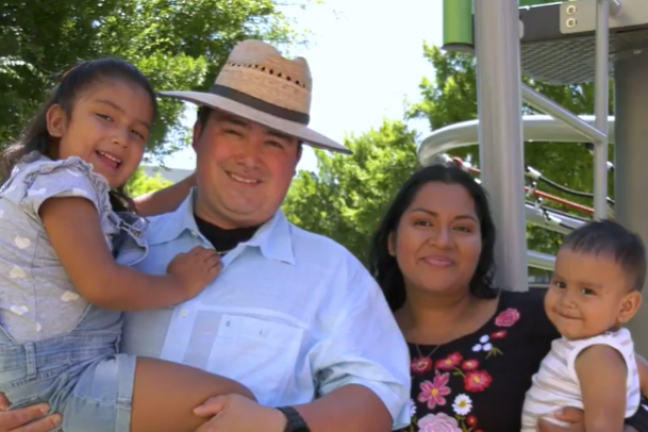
(165, 200)
(642, 368)
(73, 227)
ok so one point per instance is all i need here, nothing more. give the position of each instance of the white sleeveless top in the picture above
(556, 384)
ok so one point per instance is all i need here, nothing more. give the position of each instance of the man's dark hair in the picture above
(610, 238)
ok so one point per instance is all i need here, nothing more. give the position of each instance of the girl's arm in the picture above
(74, 230)
(602, 373)
(165, 200)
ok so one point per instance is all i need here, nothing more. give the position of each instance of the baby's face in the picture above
(589, 295)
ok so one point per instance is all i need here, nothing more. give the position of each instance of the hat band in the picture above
(259, 104)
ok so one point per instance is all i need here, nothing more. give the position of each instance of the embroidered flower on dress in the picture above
(411, 406)
(507, 318)
(462, 405)
(450, 362)
(476, 381)
(471, 421)
(498, 334)
(483, 345)
(469, 365)
(433, 392)
(440, 422)
(421, 365)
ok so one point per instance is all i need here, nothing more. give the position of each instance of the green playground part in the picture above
(458, 25)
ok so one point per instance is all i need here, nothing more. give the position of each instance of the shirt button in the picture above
(194, 233)
(184, 313)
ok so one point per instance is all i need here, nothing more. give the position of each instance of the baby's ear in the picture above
(56, 121)
(629, 306)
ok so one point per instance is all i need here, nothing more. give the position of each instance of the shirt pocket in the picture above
(258, 353)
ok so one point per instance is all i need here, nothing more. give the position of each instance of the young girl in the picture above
(595, 289)
(61, 291)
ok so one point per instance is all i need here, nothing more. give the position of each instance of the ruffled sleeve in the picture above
(37, 178)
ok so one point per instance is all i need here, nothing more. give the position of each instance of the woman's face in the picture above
(438, 240)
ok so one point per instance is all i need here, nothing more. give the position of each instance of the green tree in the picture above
(451, 97)
(347, 196)
(179, 44)
(140, 183)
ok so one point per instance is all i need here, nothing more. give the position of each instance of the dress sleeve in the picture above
(34, 182)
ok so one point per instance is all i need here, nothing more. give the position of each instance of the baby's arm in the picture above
(74, 229)
(602, 373)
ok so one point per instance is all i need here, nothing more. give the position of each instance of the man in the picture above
(293, 315)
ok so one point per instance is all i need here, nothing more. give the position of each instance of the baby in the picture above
(595, 289)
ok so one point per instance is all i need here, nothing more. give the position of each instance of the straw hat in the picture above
(260, 85)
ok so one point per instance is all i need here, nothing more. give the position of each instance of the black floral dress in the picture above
(477, 383)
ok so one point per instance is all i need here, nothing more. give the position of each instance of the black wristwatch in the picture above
(295, 421)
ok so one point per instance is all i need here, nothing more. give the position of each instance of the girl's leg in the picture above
(166, 393)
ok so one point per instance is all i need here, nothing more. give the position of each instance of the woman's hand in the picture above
(28, 419)
(574, 416)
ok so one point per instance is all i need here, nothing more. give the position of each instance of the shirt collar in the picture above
(274, 238)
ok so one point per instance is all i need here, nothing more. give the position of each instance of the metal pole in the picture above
(601, 109)
(497, 41)
(557, 111)
(631, 159)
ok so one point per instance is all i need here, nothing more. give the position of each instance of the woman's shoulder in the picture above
(531, 301)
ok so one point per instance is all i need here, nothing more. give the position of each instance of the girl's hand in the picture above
(194, 270)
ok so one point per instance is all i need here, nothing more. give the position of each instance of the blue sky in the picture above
(366, 58)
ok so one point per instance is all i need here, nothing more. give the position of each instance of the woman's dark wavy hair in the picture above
(77, 80)
(384, 266)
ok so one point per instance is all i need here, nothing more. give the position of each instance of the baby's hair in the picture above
(610, 238)
(74, 82)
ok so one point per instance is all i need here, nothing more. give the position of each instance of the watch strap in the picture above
(295, 422)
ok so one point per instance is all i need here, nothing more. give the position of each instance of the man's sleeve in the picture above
(366, 347)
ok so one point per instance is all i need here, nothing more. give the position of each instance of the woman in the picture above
(474, 348)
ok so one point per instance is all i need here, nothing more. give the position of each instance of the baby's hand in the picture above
(194, 269)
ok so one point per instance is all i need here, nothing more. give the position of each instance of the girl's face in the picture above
(108, 128)
(438, 240)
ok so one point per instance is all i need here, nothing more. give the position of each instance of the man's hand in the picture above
(234, 413)
(574, 416)
(29, 419)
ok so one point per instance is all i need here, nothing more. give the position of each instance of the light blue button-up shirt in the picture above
(292, 315)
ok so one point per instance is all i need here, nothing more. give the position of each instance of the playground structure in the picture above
(569, 42)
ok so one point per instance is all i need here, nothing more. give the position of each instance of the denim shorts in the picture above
(80, 374)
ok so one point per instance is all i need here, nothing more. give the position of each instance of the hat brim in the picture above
(297, 130)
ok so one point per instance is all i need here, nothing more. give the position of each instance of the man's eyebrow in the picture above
(120, 109)
(245, 124)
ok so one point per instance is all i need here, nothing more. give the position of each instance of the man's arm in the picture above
(351, 408)
(28, 419)
(362, 367)
(604, 394)
(165, 200)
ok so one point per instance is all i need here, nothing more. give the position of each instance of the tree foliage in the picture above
(179, 44)
(140, 183)
(349, 193)
(347, 197)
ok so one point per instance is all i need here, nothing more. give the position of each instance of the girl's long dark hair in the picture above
(384, 266)
(77, 80)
